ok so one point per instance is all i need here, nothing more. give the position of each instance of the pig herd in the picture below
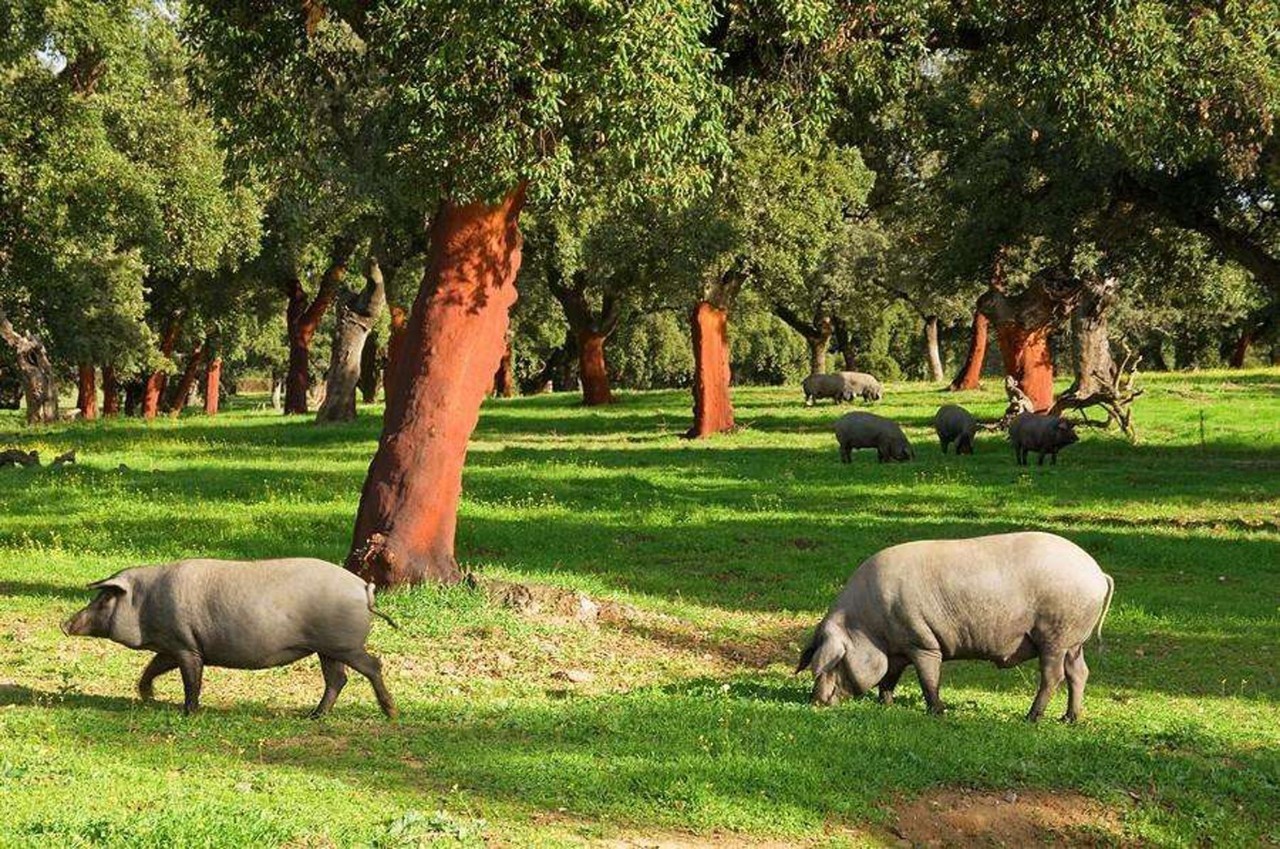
(1005, 598)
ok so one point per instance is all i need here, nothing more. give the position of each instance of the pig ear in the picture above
(823, 653)
(115, 582)
(865, 662)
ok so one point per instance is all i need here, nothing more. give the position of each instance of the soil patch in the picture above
(949, 817)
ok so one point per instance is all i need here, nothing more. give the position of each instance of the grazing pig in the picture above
(841, 386)
(866, 430)
(1004, 598)
(1042, 434)
(955, 424)
(241, 615)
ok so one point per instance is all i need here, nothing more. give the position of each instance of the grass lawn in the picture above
(681, 721)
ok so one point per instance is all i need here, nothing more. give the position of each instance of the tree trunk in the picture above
(395, 344)
(404, 529)
(133, 392)
(504, 380)
(356, 317)
(844, 344)
(934, 356)
(110, 392)
(87, 392)
(369, 371)
(302, 319)
(817, 333)
(1027, 360)
(712, 405)
(212, 386)
(157, 380)
(592, 370)
(39, 384)
(817, 353)
(1091, 346)
(181, 393)
(970, 375)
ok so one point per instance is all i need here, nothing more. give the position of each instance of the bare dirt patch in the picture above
(949, 817)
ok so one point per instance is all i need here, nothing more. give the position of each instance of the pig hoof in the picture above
(937, 710)
(1070, 718)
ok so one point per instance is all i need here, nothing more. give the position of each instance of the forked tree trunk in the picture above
(357, 314)
(370, 370)
(395, 345)
(1091, 346)
(1027, 360)
(212, 386)
(504, 379)
(87, 392)
(844, 344)
(182, 389)
(110, 392)
(153, 392)
(712, 404)
(970, 376)
(934, 356)
(592, 370)
(404, 529)
(589, 331)
(302, 319)
(39, 385)
(817, 333)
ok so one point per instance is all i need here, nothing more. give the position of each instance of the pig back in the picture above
(253, 615)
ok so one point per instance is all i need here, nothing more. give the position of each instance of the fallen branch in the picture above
(1116, 397)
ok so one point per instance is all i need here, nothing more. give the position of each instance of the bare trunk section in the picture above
(39, 385)
(932, 353)
(844, 344)
(712, 404)
(153, 392)
(181, 393)
(303, 317)
(87, 392)
(1091, 346)
(817, 333)
(357, 314)
(504, 379)
(1024, 323)
(212, 386)
(369, 368)
(395, 345)
(970, 376)
(592, 370)
(590, 330)
(110, 392)
(405, 525)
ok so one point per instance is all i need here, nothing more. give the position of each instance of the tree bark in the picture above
(212, 385)
(39, 384)
(181, 392)
(970, 376)
(369, 368)
(303, 317)
(87, 392)
(589, 330)
(405, 525)
(1090, 343)
(159, 379)
(844, 344)
(1024, 323)
(712, 404)
(504, 380)
(395, 344)
(817, 334)
(356, 317)
(934, 356)
(592, 370)
(110, 392)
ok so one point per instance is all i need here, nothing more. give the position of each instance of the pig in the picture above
(955, 424)
(841, 386)
(1042, 434)
(866, 430)
(239, 615)
(1005, 598)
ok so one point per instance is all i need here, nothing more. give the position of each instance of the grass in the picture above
(723, 554)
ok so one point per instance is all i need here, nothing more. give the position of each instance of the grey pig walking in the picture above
(955, 424)
(1005, 598)
(841, 386)
(240, 615)
(1042, 434)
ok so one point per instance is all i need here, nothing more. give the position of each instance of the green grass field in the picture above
(720, 556)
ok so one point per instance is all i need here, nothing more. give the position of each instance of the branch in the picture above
(784, 312)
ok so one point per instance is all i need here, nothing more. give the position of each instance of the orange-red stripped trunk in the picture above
(712, 406)
(212, 386)
(190, 372)
(87, 393)
(454, 338)
(592, 370)
(395, 344)
(157, 380)
(1027, 359)
(110, 392)
(970, 375)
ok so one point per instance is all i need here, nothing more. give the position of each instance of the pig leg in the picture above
(1077, 674)
(890, 679)
(159, 665)
(1040, 459)
(928, 666)
(945, 442)
(192, 668)
(1052, 671)
(335, 678)
(1053, 458)
(371, 668)
(846, 454)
